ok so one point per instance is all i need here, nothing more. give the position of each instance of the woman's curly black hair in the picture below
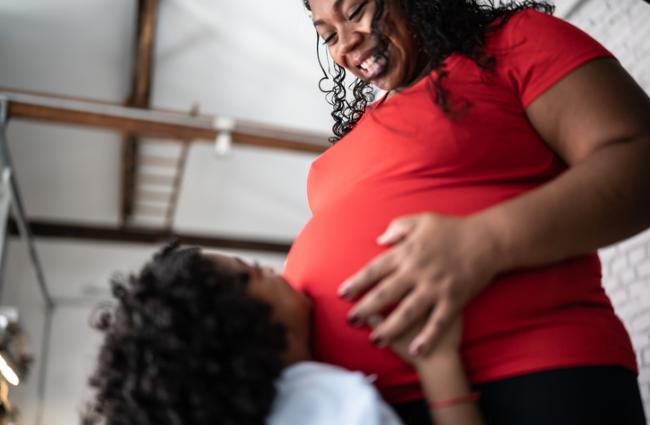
(440, 28)
(186, 346)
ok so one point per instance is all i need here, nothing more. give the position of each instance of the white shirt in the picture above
(311, 393)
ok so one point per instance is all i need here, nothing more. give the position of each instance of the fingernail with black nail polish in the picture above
(378, 342)
(354, 321)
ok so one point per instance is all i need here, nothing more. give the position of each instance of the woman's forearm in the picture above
(443, 379)
(601, 200)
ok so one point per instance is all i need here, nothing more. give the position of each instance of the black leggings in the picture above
(598, 395)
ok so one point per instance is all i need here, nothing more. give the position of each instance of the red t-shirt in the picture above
(406, 156)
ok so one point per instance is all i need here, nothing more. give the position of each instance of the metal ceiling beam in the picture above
(17, 205)
(155, 123)
(52, 229)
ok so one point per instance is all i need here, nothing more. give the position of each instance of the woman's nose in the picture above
(349, 40)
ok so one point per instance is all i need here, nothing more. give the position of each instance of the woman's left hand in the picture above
(435, 265)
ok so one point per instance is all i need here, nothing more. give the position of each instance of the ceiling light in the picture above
(224, 127)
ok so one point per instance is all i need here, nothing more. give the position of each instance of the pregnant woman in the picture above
(508, 148)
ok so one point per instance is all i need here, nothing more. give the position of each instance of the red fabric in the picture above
(405, 157)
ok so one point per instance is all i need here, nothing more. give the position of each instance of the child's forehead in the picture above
(226, 261)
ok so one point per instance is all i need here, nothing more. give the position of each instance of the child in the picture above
(207, 339)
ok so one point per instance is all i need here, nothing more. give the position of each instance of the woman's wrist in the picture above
(490, 243)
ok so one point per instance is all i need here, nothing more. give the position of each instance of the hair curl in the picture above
(186, 346)
(440, 28)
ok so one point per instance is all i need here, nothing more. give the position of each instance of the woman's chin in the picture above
(386, 83)
(391, 79)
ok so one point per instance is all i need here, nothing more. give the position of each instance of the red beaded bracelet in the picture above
(468, 398)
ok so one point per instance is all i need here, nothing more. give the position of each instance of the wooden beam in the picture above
(141, 124)
(155, 123)
(180, 173)
(59, 230)
(139, 97)
(143, 61)
(128, 167)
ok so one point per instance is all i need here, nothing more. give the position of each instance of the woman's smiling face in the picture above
(345, 26)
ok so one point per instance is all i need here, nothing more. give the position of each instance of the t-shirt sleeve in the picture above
(536, 50)
(311, 393)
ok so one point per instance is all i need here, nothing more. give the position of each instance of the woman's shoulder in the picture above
(538, 29)
(534, 50)
(530, 18)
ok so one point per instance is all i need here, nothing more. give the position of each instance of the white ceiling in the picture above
(253, 60)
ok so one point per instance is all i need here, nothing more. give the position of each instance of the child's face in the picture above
(290, 307)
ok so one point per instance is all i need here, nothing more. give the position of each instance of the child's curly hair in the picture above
(186, 345)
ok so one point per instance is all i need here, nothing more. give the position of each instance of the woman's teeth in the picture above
(373, 66)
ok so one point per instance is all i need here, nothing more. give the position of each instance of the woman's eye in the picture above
(357, 10)
(328, 38)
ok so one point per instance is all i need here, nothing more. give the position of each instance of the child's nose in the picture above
(269, 270)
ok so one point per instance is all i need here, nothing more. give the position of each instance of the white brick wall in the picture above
(626, 277)
(623, 26)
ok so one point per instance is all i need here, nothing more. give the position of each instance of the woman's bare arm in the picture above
(597, 119)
